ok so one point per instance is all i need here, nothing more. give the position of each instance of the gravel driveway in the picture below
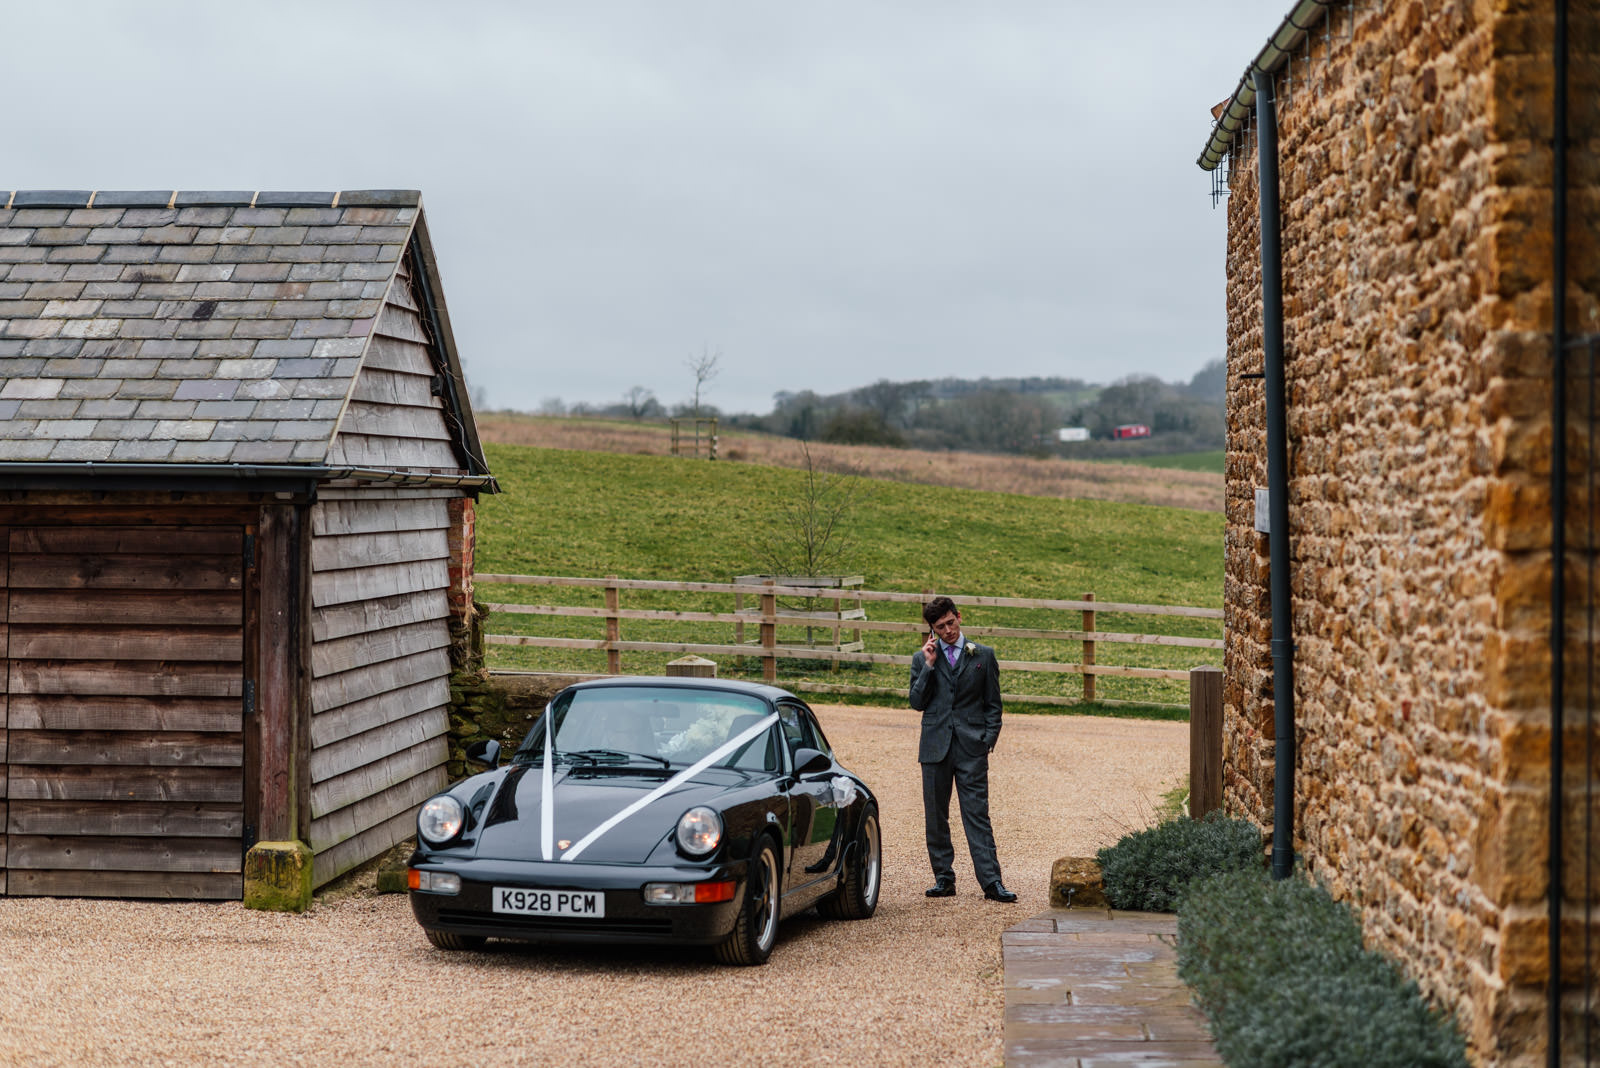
(353, 981)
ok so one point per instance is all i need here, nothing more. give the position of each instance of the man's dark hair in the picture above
(937, 609)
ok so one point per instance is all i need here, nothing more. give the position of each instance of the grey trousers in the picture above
(970, 776)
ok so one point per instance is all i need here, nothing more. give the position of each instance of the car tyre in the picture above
(857, 896)
(452, 941)
(755, 931)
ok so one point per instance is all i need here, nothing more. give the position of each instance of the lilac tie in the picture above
(950, 654)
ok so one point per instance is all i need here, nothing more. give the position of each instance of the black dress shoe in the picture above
(942, 888)
(997, 891)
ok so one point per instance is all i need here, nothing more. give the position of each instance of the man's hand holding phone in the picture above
(930, 648)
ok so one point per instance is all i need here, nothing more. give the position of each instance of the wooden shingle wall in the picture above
(395, 417)
(121, 749)
(380, 668)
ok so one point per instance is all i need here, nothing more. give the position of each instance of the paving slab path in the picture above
(1090, 988)
(353, 981)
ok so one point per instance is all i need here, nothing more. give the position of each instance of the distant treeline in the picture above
(1014, 415)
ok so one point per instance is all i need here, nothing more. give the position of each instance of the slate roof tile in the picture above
(73, 367)
(130, 450)
(89, 389)
(189, 326)
(265, 389)
(47, 409)
(135, 429)
(30, 388)
(198, 452)
(80, 449)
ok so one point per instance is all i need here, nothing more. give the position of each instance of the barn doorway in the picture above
(122, 716)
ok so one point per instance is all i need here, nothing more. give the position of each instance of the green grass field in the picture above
(1212, 460)
(649, 517)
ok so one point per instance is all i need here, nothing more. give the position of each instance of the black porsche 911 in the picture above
(667, 810)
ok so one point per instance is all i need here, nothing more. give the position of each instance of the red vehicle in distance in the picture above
(1130, 430)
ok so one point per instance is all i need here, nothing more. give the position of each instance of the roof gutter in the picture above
(252, 476)
(1290, 34)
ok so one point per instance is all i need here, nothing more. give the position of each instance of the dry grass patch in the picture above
(1050, 477)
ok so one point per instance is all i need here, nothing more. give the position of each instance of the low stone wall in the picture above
(497, 705)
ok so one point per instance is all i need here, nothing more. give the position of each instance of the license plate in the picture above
(581, 904)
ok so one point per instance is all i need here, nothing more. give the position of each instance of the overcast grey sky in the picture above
(828, 193)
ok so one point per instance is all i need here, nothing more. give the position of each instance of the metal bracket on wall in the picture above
(249, 697)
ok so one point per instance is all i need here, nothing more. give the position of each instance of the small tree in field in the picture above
(811, 536)
(704, 368)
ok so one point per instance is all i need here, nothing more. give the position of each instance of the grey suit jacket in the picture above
(960, 704)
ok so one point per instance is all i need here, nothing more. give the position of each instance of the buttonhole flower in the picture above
(971, 648)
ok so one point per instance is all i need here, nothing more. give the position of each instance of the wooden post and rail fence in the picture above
(1205, 683)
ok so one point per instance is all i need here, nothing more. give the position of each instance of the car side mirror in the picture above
(486, 753)
(809, 761)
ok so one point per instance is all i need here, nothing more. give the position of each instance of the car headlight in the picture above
(440, 819)
(699, 830)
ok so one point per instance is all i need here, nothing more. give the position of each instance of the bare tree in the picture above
(704, 369)
(552, 406)
(640, 402)
(810, 536)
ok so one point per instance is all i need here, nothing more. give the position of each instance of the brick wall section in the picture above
(1415, 186)
(465, 643)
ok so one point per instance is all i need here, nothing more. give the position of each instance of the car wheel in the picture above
(453, 941)
(857, 896)
(756, 929)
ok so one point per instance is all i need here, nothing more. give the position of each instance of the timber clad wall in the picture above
(121, 724)
(380, 669)
(1415, 185)
(394, 418)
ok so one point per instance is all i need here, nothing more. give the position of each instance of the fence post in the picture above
(613, 629)
(769, 634)
(1205, 740)
(738, 629)
(1088, 650)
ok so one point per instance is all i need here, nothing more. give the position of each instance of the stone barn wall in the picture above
(1415, 177)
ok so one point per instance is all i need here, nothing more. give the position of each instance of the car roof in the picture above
(683, 682)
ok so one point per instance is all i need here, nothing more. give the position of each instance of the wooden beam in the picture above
(72, 712)
(124, 783)
(272, 728)
(153, 818)
(190, 886)
(155, 749)
(1205, 741)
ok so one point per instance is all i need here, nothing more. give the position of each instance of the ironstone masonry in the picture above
(1416, 186)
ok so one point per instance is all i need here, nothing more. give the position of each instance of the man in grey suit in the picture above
(955, 684)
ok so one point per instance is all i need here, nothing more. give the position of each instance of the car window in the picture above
(810, 719)
(676, 724)
(797, 728)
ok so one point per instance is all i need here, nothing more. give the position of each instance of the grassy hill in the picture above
(636, 516)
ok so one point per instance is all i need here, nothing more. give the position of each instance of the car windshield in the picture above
(678, 726)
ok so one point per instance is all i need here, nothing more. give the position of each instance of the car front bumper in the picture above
(627, 917)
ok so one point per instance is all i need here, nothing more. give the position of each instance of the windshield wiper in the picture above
(594, 754)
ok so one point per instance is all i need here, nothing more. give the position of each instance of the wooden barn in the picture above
(237, 474)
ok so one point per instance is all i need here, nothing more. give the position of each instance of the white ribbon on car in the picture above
(671, 784)
(547, 792)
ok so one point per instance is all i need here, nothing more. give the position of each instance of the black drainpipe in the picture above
(1277, 479)
(1558, 528)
